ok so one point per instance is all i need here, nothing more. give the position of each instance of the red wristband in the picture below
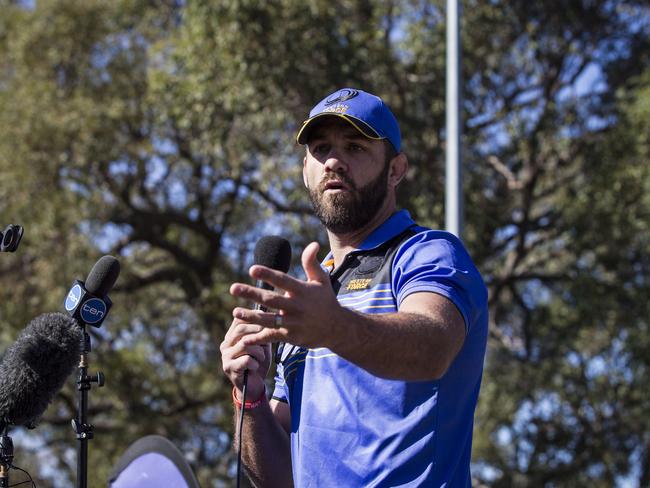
(248, 405)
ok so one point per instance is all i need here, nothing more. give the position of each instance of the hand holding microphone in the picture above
(237, 359)
(308, 310)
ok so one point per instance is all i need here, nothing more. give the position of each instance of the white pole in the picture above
(453, 180)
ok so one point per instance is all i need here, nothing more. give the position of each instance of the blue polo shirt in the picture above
(350, 428)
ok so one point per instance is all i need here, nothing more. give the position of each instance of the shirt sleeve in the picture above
(437, 262)
(280, 388)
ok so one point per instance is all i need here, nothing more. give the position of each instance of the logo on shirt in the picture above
(358, 284)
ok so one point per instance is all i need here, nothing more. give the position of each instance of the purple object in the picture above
(152, 462)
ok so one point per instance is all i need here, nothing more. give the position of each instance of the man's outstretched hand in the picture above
(308, 309)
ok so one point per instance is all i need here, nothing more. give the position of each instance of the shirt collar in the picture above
(391, 227)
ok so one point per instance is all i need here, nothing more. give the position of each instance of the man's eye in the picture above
(319, 148)
(356, 147)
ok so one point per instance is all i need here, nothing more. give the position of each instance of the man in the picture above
(383, 345)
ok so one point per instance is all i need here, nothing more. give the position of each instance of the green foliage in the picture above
(163, 133)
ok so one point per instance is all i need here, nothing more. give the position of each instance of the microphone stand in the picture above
(83, 429)
(6, 456)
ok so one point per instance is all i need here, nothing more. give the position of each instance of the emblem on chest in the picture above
(358, 284)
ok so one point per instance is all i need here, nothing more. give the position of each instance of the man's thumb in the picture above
(311, 265)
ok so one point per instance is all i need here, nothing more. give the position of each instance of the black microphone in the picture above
(89, 302)
(10, 237)
(36, 366)
(273, 252)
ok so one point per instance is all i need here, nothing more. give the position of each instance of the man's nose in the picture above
(335, 162)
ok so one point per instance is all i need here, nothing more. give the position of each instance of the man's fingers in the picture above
(261, 319)
(257, 317)
(243, 363)
(265, 337)
(267, 298)
(311, 265)
(241, 349)
(276, 278)
(239, 329)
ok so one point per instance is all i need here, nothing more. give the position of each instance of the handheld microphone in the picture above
(88, 302)
(36, 366)
(273, 252)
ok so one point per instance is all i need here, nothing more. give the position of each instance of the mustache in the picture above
(341, 178)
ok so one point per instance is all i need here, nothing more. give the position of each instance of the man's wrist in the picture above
(337, 336)
(249, 404)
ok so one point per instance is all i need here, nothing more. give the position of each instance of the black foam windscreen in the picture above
(103, 276)
(36, 366)
(273, 252)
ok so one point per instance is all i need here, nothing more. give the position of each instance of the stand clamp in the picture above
(6, 458)
(86, 431)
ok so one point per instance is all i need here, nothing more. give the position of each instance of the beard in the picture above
(350, 210)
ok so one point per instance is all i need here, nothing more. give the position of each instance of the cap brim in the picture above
(303, 134)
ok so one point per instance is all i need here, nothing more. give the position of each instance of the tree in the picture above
(162, 133)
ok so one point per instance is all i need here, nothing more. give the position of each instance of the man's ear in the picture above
(399, 165)
(304, 172)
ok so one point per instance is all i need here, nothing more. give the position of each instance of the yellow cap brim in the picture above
(360, 125)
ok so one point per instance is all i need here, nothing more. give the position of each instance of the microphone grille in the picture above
(36, 366)
(273, 252)
(103, 276)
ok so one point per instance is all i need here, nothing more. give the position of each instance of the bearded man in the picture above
(383, 343)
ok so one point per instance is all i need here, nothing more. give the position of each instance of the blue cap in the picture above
(366, 112)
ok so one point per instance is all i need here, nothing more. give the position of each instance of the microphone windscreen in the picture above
(36, 366)
(103, 276)
(273, 252)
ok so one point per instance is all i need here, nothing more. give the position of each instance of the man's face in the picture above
(346, 175)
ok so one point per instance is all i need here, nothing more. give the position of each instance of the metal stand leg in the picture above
(82, 428)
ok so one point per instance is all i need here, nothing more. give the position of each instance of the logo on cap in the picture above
(341, 96)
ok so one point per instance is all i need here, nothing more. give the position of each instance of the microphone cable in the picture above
(30, 480)
(241, 426)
